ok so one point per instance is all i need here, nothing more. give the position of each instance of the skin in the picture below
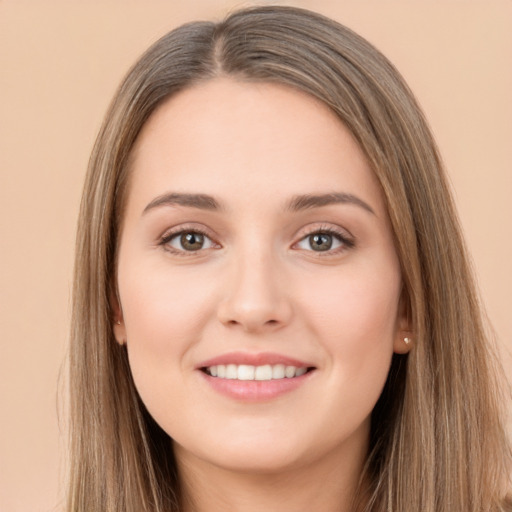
(258, 285)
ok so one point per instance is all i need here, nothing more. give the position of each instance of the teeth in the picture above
(231, 371)
(248, 372)
(263, 372)
(245, 372)
(289, 372)
(300, 371)
(278, 371)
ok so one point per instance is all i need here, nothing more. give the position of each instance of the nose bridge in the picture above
(255, 297)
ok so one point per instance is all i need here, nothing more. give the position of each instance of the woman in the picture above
(273, 308)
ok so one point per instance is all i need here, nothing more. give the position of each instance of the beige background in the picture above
(60, 63)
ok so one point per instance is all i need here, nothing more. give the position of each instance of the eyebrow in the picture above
(297, 203)
(201, 201)
(307, 201)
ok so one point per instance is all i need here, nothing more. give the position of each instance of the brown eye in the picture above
(325, 240)
(320, 241)
(192, 241)
(187, 241)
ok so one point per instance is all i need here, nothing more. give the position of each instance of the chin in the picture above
(278, 452)
(250, 453)
(257, 463)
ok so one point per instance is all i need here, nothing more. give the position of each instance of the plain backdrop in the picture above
(60, 63)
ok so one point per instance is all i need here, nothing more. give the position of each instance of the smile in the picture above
(250, 372)
(255, 377)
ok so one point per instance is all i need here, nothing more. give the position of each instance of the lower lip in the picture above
(255, 390)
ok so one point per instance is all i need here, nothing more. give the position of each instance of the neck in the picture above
(329, 485)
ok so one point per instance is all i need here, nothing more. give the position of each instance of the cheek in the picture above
(162, 309)
(164, 314)
(357, 326)
(354, 314)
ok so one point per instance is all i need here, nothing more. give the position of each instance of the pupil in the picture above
(321, 242)
(192, 241)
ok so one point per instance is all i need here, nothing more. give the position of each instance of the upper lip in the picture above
(256, 359)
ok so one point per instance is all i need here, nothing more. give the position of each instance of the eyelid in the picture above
(345, 238)
(186, 228)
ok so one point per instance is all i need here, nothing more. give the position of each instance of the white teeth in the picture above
(249, 372)
(278, 371)
(289, 372)
(263, 372)
(245, 372)
(300, 371)
(231, 371)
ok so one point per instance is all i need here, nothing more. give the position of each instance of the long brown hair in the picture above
(438, 442)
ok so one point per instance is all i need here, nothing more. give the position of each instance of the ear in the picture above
(117, 320)
(403, 342)
(404, 337)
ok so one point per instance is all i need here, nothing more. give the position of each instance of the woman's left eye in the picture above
(324, 241)
(187, 241)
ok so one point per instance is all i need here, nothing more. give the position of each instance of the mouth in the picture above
(255, 377)
(248, 372)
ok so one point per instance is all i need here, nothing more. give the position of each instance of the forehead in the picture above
(244, 140)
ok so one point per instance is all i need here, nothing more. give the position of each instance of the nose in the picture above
(256, 299)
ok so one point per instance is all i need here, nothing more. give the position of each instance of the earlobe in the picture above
(120, 332)
(403, 343)
(119, 327)
(404, 335)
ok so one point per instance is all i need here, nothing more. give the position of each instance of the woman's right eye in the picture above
(187, 241)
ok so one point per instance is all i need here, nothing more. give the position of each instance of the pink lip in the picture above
(251, 390)
(260, 359)
(255, 390)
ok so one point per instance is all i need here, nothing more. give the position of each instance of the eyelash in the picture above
(347, 243)
(183, 230)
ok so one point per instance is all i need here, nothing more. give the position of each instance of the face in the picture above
(258, 282)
